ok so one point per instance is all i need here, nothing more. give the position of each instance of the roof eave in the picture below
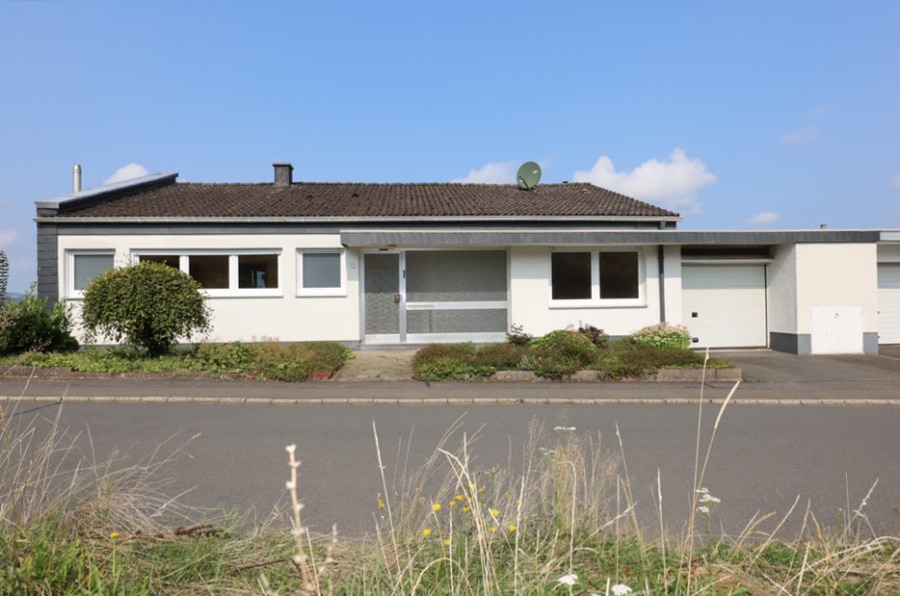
(355, 219)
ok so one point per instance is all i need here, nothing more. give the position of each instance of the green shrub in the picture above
(554, 365)
(148, 305)
(431, 352)
(517, 336)
(663, 335)
(630, 359)
(567, 343)
(449, 362)
(29, 326)
(501, 356)
(597, 336)
(230, 358)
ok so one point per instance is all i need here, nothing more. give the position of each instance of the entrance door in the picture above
(382, 298)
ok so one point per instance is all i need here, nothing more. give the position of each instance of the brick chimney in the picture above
(284, 173)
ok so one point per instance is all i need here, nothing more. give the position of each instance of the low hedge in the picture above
(557, 355)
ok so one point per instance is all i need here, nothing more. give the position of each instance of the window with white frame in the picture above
(225, 273)
(82, 267)
(321, 272)
(601, 277)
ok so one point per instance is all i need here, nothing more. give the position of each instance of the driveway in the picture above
(770, 366)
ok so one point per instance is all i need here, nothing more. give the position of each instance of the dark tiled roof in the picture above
(303, 199)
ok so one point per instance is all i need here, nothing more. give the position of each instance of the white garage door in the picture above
(724, 306)
(889, 303)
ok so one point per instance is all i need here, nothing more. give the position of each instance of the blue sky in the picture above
(738, 115)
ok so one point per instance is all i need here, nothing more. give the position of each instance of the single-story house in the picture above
(376, 264)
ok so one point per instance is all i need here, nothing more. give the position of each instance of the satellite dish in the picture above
(528, 175)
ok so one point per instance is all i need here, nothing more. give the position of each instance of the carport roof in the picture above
(423, 237)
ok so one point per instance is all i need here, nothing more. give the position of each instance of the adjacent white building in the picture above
(375, 264)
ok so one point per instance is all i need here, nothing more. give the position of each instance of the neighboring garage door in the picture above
(724, 306)
(889, 303)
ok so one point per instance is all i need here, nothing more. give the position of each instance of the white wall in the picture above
(286, 317)
(837, 275)
(530, 307)
(781, 277)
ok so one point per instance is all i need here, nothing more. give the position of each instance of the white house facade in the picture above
(385, 264)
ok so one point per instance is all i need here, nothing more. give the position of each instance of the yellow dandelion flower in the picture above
(511, 528)
(446, 543)
(458, 497)
(495, 512)
(472, 486)
(113, 535)
(493, 528)
(465, 508)
(436, 506)
(482, 489)
(380, 502)
(452, 503)
(426, 532)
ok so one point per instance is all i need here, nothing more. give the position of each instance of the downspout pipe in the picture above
(661, 260)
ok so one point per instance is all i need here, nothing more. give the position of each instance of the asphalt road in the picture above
(232, 456)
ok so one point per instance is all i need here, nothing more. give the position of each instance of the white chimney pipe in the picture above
(76, 178)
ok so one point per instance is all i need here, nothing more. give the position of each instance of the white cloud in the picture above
(802, 137)
(766, 217)
(673, 183)
(132, 170)
(8, 237)
(501, 172)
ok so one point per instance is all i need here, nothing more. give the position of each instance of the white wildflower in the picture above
(568, 579)
(703, 509)
(290, 448)
(564, 428)
(621, 590)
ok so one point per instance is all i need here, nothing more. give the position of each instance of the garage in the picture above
(724, 306)
(889, 303)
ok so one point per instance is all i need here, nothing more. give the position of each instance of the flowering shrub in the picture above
(663, 335)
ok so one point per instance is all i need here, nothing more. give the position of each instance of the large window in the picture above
(321, 273)
(83, 267)
(601, 277)
(225, 273)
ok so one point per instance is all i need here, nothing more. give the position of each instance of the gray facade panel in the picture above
(870, 343)
(790, 343)
(47, 263)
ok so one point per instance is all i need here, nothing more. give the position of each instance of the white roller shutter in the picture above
(889, 303)
(724, 306)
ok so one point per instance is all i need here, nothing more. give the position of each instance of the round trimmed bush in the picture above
(148, 305)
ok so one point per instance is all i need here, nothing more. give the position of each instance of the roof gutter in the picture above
(52, 218)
